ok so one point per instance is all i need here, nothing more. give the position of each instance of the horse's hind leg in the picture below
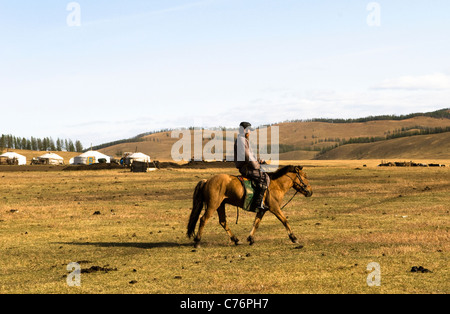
(210, 208)
(223, 223)
(201, 226)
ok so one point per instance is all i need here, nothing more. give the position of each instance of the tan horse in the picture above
(227, 189)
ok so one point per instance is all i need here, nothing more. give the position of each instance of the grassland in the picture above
(134, 226)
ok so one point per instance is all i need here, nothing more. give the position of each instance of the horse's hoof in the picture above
(251, 240)
(235, 240)
(196, 244)
(293, 238)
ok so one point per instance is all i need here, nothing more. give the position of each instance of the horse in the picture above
(224, 189)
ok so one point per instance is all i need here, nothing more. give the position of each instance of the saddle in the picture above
(249, 191)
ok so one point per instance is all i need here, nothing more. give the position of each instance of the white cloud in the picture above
(435, 81)
(327, 103)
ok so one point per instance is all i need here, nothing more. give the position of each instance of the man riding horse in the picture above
(215, 193)
(250, 167)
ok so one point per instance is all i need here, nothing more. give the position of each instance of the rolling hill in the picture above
(304, 140)
(433, 146)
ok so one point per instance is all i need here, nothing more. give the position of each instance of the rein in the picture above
(290, 200)
(296, 192)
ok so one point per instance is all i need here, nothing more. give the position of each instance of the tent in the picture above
(51, 159)
(89, 158)
(11, 158)
(136, 157)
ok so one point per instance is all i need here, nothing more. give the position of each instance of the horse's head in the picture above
(295, 176)
(301, 183)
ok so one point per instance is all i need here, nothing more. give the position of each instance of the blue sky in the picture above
(137, 66)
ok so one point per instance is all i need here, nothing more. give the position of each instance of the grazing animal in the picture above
(224, 189)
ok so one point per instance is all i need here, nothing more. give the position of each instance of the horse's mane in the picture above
(281, 172)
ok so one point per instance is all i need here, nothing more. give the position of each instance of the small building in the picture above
(89, 158)
(142, 166)
(130, 159)
(11, 158)
(48, 159)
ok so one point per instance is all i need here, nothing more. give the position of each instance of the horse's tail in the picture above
(197, 206)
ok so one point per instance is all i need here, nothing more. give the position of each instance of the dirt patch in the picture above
(108, 166)
(208, 165)
(94, 269)
(25, 168)
(420, 269)
(408, 164)
(47, 168)
(195, 165)
(104, 166)
(166, 165)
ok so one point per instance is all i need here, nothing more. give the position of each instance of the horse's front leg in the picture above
(258, 218)
(279, 214)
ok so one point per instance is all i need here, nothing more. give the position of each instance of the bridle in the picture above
(297, 187)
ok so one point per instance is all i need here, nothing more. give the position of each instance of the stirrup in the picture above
(261, 208)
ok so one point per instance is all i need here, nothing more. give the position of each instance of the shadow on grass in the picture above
(139, 245)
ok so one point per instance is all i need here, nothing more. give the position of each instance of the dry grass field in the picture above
(127, 231)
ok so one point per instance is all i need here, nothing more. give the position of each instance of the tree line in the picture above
(438, 114)
(39, 144)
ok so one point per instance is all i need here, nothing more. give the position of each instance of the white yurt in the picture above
(89, 158)
(51, 159)
(136, 157)
(12, 158)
